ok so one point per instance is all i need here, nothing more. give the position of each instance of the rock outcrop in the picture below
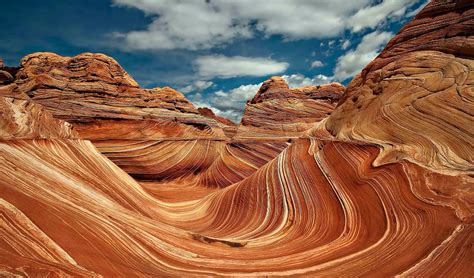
(359, 194)
(231, 128)
(7, 74)
(21, 118)
(93, 90)
(278, 111)
(422, 81)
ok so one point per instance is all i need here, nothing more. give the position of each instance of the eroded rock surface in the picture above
(416, 99)
(278, 111)
(327, 204)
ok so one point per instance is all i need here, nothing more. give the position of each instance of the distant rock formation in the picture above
(277, 111)
(7, 74)
(94, 93)
(206, 112)
(231, 128)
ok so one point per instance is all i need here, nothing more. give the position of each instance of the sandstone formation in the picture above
(381, 187)
(22, 118)
(422, 81)
(231, 128)
(6, 73)
(278, 111)
(206, 112)
(93, 90)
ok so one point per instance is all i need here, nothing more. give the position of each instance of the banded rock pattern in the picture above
(329, 204)
(422, 81)
(231, 127)
(278, 111)
(94, 90)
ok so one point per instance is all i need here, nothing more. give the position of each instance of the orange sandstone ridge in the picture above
(278, 111)
(358, 193)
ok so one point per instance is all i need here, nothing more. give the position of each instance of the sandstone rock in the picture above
(328, 204)
(278, 111)
(416, 98)
(5, 76)
(230, 127)
(89, 88)
(22, 118)
(210, 114)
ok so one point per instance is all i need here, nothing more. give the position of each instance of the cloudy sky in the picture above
(217, 52)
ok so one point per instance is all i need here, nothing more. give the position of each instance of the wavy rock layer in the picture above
(422, 81)
(278, 111)
(89, 88)
(310, 216)
(22, 118)
(328, 205)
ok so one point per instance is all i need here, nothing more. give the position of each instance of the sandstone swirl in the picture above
(381, 187)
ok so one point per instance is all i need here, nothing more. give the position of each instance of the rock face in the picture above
(278, 111)
(422, 80)
(92, 90)
(206, 112)
(129, 124)
(6, 73)
(22, 118)
(330, 204)
(231, 128)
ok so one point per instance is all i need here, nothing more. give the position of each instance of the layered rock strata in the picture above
(278, 111)
(358, 195)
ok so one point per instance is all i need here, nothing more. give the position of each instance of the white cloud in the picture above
(299, 80)
(230, 104)
(227, 67)
(354, 61)
(316, 64)
(371, 16)
(204, 24)
(198, 85)
(345, 44)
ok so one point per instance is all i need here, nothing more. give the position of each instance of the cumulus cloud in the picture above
(345, 44)
(371, 16)
(229, 104)
(202, 24)
(196, 86)
(299, 80)
(353, 61)
(317, 64)
(226, 67)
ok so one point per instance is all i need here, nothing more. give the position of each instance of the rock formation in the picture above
(422, 81)
(93, 91)
(231, 128)
(381, 187)
(6, 73)
(278, 111)
(24, 119)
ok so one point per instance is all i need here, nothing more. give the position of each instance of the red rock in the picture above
(89, 88)
(382, 187)
(278, 111)
(210, 114)
(415, 98)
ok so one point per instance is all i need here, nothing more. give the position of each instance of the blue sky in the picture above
(217, 52)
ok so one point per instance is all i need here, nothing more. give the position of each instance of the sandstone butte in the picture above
(100, 177)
